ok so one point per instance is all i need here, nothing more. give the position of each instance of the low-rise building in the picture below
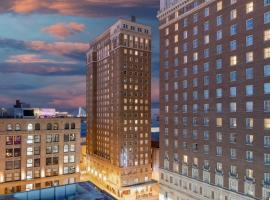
(39, 152)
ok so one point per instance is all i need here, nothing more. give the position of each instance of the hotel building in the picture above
(215, 99)
(38, 153)
(118, 109)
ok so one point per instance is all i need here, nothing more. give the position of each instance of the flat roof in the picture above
(82, 191)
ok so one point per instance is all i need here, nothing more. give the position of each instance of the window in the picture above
(30, 127)
(249, 57)
(266, 35)
(233, 76)
(219, 5)
(249, 90)
(219, 92)
(233, 91)
(249, 156)
(266, 70)
(267, 53)
(249, 123)
(249, 40)
(249, 24)
(219, 122)
(267, 88)
(249, 7)
(233, 29)
(29, 163)
(73, 126)
(233, 60)
(37, 127)
(233, 14)
(37, 138)
(267, 159)
(9, 140)
(267, 176)
(233, 153)
(249, 106)
(267, 123)
(30, 139)
(267, 106)
(233, 45)
(233, 123)
(233, 107)
(29, 151)
(267, 141)
(266, 2)
(267, 17)
(249, 139)
(49, 126)
(249, 73)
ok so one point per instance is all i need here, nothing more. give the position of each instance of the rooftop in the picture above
(77, 191)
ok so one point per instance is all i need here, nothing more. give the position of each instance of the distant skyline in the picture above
(43, 45)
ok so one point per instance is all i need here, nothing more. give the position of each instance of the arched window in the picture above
(55, 126)
(37, 126)
(66, 126)
(9, 127)
(49, 126)
(17, 127)
(73, 126)
(30, 127)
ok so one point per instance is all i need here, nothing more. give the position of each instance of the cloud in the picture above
(63, 30)
(155, 90)
(33, 58)
(92, 8)
(42, 69)
(72, 50)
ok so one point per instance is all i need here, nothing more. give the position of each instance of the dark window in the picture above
(37, 162)
(66, 126)
(48, 161)
(17, 140)
(37, 126)
(17, 164)
(73, 126)
(9, 165)
(55, 160)
(17, 152)
(49, 126)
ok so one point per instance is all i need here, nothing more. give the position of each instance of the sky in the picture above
(43, 45)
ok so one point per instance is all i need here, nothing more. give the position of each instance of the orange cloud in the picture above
(62, 48)
(155, 90)
(79, 8)
(33, 58)
(62, 30)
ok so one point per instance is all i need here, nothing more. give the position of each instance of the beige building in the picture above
(214, 102)
(118, 109)
(38, 153)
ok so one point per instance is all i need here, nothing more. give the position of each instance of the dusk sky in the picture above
(43, 45)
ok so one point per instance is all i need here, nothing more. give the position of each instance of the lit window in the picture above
(249, 57)
(266, 35)
(219, 5)
(267, 123)
(30, 127)
(233, 60)
(267, 53)
(249, 7)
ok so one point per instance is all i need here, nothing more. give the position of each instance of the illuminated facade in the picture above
(118, 109)
(215, 99)
(38, 153)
